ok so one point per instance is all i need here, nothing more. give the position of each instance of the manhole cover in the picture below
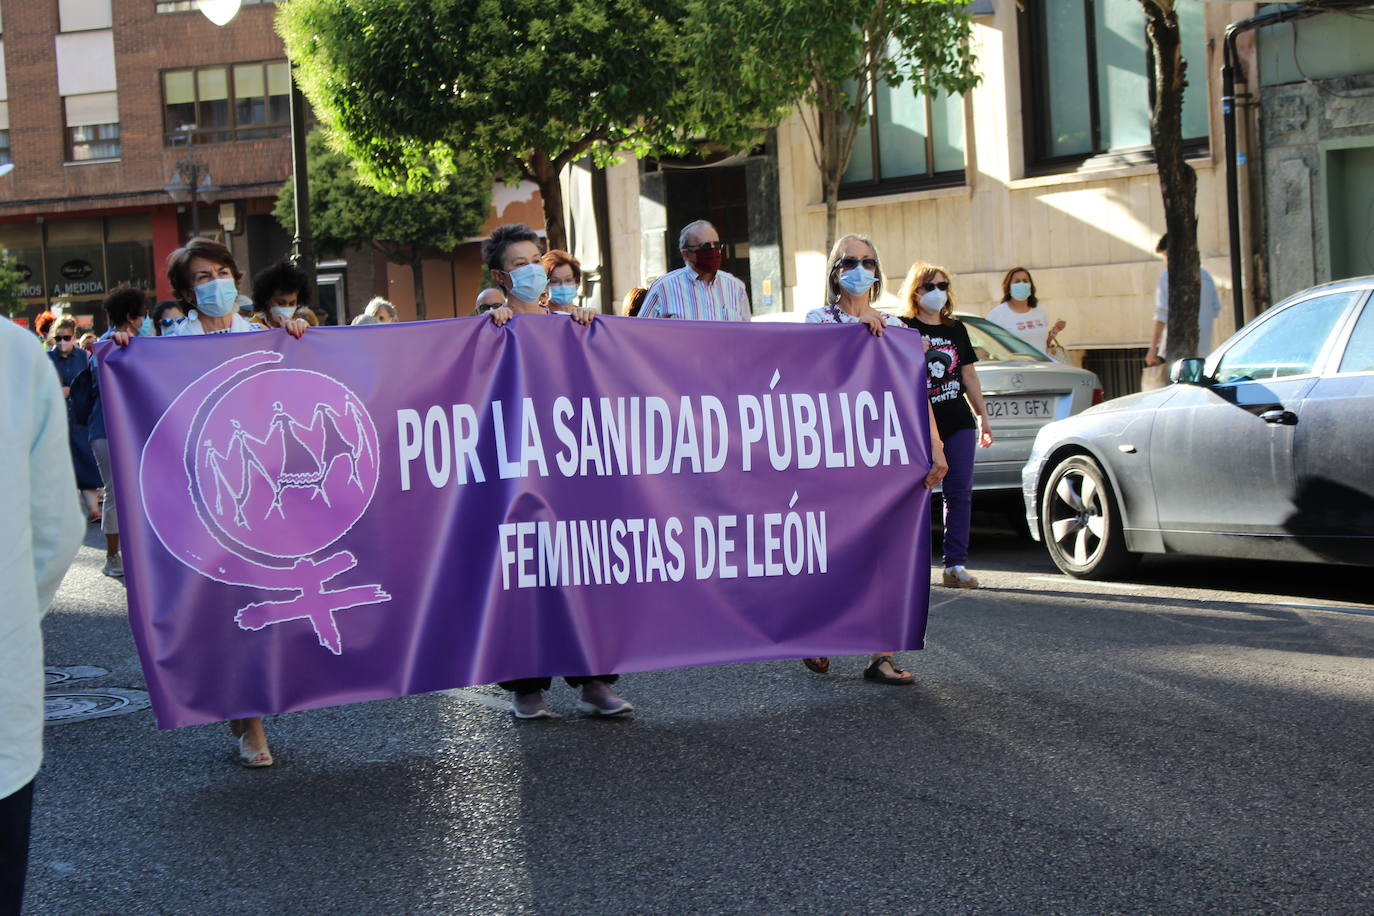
(72, 673)
(78, 706)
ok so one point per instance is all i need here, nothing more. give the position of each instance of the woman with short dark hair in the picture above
(204, 280)
(513, 257)
(278, 291)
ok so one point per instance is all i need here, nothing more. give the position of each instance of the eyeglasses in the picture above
(706, 246)
(851, 263)
(931, 287)
(562, 283)
(168, 322)
(62, 337)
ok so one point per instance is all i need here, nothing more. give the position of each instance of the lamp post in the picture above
(191, 183)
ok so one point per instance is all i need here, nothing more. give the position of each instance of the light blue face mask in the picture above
(857, 281)
(562, 295)
(146, 328)
(1020, 290)
(217, 298)
(527, 283)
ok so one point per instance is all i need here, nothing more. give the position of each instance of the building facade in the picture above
(1046, 165)
(105, 104)
(110, 110)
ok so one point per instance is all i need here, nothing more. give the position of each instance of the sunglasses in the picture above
(851, 263)
(168, 322)
(707, 246)
(931, 287)
(62, 337)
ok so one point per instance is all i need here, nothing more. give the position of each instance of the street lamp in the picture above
(191, 182)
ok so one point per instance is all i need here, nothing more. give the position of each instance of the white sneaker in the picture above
(530, 706)
(600, 700)
(958, 577)
(114, 567)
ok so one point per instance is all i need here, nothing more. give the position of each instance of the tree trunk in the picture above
(417, 275)
(833, 168)
(545, 174)
(1177, 180)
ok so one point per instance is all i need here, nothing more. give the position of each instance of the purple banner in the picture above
(392, 509)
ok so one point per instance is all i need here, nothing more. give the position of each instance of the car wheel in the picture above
(1080, 521)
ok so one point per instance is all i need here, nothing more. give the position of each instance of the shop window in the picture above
(92, 126)
(908, 141)
(1088, 85)
(24, 242)
(218, 104)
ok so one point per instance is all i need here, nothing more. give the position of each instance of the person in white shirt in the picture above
(40, 531)
(1208, 308)
(1020, 311)
(700, 291)
(204, 278)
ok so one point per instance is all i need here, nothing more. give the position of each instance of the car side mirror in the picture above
(1187, 372)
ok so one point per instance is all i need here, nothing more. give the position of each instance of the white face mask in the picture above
(283, 313)
(934, 300)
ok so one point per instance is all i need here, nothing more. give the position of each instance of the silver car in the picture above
(1265, 449)
(1024, 390)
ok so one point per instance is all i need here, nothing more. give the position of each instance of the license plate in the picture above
(1012, 408)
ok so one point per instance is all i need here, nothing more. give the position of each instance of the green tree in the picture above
(1177, 180)
(826, 57)
(344, 212)
(524, 87)
(11, 284)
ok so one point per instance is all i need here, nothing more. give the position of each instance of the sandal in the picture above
(874, 672)
(819, 665)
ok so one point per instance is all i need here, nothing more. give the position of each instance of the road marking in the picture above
(1326, 607)
(1066, 580)
(477, 696)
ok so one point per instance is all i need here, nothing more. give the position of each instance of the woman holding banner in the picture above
(513, 257)
(855, 283)
(205, 278)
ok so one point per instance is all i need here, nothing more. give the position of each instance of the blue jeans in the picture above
(958, 494)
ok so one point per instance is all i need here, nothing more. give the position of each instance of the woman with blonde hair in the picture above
(854, 284)
(928, 297)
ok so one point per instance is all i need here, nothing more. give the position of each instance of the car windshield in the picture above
(994, 343)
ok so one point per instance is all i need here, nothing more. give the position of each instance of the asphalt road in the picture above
(1196, 739)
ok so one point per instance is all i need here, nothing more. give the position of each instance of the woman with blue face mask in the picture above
(204, 278)
(1020, 312)
(565, 281)
(514, 260)
(854, 284)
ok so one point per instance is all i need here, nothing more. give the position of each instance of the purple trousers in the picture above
(957, 489)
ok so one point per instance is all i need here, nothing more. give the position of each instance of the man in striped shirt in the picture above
(701, 291)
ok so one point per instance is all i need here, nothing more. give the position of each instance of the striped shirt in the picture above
(682, 294)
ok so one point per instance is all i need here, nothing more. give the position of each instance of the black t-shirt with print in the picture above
(950, 350)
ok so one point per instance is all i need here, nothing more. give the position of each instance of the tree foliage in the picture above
(825, 57)
(345, 212)
(523, 87)
(12, 284)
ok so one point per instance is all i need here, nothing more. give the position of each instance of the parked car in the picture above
(1024, 389)
(1265, 449)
